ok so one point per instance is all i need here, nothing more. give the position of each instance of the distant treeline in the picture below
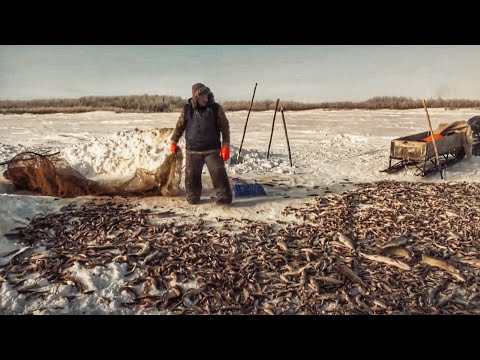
(160, 103)
(375, 103)
(130, 103)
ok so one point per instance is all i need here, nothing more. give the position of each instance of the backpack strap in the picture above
(187, 111)
(215, 109)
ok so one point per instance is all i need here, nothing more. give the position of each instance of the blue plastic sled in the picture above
(248, 190)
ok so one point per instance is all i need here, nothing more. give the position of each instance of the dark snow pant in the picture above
(218, 173)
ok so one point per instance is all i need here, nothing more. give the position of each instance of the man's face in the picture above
(202, 100)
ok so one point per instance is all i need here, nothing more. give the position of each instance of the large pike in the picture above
(346, 241)
(386, 260)
(442, 264)
(349, 274)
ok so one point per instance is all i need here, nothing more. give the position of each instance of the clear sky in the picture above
(302, 73)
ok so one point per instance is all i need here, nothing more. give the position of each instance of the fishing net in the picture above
(52, 175)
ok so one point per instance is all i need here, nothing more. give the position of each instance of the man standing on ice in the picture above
(202, 120)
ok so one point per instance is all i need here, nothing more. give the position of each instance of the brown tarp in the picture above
(458, 127)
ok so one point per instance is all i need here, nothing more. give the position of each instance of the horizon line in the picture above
(240, 99)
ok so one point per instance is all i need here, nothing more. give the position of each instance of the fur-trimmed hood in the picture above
(199, 89)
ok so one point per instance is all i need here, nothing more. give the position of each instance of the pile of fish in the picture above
(412, 247)
(385, 248)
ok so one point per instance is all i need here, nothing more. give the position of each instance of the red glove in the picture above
(173, 148)
(225, 153)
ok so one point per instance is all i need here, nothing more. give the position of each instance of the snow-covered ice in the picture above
(331, 151)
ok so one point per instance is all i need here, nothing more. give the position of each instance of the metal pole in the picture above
(286, 135)
(246, 122)
(433, 138)
(273, 126)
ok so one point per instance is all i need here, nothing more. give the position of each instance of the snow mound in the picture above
(121, 153)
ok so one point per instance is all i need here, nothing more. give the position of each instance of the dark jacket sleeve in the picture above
(179, 129)
(224, 126)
